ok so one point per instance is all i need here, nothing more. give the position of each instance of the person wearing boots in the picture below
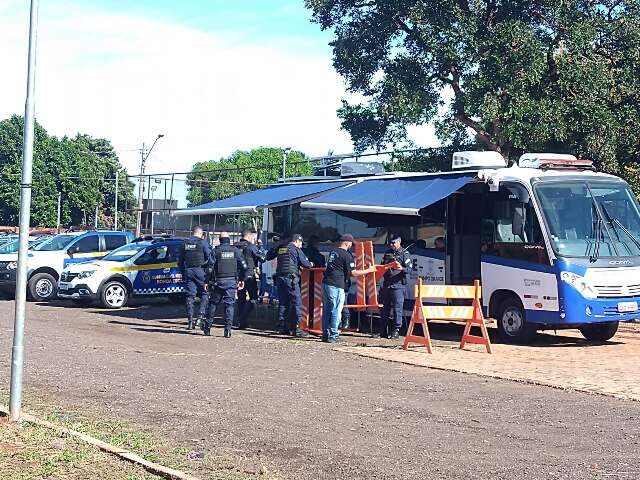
(195, 258)
(290, 258)
(254, 256)
(393, 287)
(229, 274)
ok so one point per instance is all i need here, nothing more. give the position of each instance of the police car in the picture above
(46, 260)
(143, 268)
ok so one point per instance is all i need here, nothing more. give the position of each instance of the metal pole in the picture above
(140, 193)
(17, 352)
(285, 155)
(115, 220)
(59, 212)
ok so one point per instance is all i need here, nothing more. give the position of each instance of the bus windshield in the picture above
(124, 253)
(591, 219)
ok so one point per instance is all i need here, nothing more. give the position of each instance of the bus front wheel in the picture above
(599, 332)
(512, 322)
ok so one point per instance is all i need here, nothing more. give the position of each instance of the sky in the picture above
(213, 76)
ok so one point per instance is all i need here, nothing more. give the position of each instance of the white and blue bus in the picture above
(554, 243)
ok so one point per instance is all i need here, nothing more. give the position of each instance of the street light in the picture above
(143, 160)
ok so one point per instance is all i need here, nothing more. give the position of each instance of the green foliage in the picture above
(243, 171)
(75, 167)
(552, 75)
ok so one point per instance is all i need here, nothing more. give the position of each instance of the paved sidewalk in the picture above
(564, 361)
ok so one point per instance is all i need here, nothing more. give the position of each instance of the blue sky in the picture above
(285, 22)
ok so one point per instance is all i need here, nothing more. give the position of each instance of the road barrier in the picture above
(472, 314)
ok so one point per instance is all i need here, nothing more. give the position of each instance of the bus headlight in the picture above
(579, 283)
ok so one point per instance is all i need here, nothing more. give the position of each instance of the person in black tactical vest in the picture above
(393, 287)
(254, 256)
(195, 257)
(229, 274)
(290, 259)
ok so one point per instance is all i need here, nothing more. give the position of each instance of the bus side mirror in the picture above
(519, 218)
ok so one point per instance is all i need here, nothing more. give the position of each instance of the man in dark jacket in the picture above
(313, 253)
(195, 257)
(254, 256)
(290, 258)
(229, 274)
(393, 287)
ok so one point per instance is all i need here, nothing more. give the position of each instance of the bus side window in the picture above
(501, 237)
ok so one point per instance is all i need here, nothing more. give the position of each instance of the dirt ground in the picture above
(300, 409)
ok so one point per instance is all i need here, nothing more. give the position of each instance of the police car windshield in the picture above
(124, 253)
(59, 242)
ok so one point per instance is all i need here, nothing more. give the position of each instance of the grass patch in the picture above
(29, 452)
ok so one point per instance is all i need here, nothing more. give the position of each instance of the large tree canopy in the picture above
(81, 169)
(560, 75)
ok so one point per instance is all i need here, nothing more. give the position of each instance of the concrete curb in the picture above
(154, 468)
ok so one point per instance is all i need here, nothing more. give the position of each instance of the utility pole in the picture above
(115, 220)
(140, 193)
(17, 352)
(285, 156)
(59, 212)
(144, 156)
(96, 218)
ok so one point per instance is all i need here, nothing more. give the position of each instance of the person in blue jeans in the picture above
(340, 267)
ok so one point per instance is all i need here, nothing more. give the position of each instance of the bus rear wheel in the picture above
(599, 332)
(512, 322)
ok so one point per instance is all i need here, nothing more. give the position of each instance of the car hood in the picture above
(90, 266)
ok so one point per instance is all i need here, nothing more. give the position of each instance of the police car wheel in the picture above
(512, 322)
(42, 287)
(114, 295)
(599, 332)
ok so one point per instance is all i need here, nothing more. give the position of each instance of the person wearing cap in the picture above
(393, 286)
(289, 258)
(340, 267)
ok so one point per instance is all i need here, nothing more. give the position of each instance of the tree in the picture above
(243, 171)
(554, 75)
(80, 169)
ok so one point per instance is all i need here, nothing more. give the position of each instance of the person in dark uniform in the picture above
(253, 256)
(195, 257)
(312, 252)
(393, 287)
(229, 274)
(290, 258)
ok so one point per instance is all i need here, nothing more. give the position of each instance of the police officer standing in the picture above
(253, 256)
(195, 256)
(290, 259)
(393, 287)
(229, 274)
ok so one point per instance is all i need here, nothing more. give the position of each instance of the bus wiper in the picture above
(615, 221)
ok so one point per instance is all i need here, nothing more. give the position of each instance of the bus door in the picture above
(463, 235)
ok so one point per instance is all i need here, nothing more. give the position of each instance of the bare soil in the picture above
(298, 409)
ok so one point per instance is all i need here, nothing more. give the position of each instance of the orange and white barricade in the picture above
(471, 315)
(366, 291)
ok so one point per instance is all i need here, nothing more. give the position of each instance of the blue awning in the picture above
(271, 196)
(398, 196)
